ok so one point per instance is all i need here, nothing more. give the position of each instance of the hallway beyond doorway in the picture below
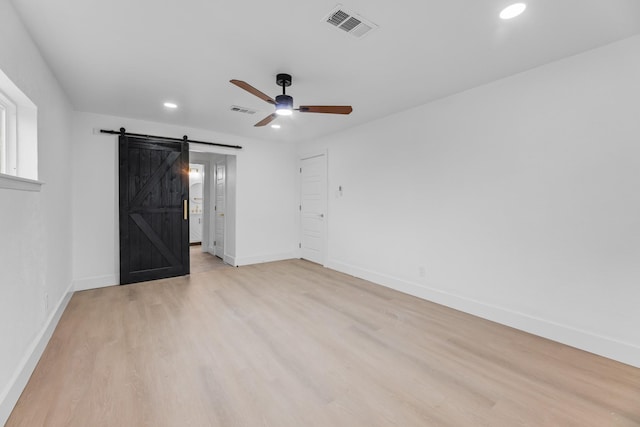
(204, 261)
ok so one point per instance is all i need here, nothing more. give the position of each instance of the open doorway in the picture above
(212, 211)
(196, 200)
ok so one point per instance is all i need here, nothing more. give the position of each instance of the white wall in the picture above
(519, 199)
(265, 196)
(35, 227)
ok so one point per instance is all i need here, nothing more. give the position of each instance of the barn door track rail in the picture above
(123, 132)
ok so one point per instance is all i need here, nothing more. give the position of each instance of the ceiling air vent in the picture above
(350, 22)
(242, 110)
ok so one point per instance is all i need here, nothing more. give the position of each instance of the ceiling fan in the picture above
(284, 102)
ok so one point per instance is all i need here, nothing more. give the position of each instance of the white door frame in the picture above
(209, 159)
(325, 224)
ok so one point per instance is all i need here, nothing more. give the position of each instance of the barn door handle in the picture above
(185, 212)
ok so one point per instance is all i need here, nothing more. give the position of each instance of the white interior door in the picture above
(313, 201)
(221, 177)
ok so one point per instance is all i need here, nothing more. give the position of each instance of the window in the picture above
(8, 128)
(18, 137)
(3, 130)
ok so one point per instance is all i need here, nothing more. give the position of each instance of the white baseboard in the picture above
(229, 260)
(581, 339)
(259, 259)
(18, 382)
(95, 282)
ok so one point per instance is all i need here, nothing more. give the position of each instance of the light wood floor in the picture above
(204, 261)
(290, 344)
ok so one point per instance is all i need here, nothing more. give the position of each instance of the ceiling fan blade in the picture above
(328, 109)
(252, 90)
(266, 120)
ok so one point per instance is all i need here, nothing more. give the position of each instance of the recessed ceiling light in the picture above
(275, 126)
(513, 10)
(170, 105)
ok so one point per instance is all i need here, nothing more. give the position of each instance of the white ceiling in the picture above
(126, 57)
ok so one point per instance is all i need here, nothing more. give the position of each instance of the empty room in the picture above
(312, 213)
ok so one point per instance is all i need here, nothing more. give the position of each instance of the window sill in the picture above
(16, 183)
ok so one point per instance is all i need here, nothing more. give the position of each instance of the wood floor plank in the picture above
(293, 344)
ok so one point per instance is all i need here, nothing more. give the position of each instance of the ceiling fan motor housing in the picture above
(284, 105)
(284, 101)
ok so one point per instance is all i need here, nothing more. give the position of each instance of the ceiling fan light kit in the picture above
(284, 105)
(284, 102)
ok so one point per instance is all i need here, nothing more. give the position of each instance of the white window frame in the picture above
(8, 136)
(3, 131)
(18, 138)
